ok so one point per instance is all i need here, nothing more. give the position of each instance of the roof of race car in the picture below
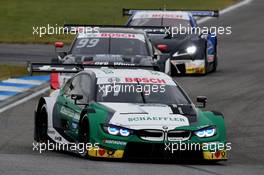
(159, 14)
(120, 30)
(127, 33)
(147, 76)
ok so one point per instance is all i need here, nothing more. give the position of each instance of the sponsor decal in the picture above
(177, 119)
(218, 155)
(210, 58)
(115, 142)
(166, 15)
(196, 70)
(102, 63)
(112, 35)
(145, 80)
(69, 113)
(106, 153)
(114, 80)
(117, 35)
(171, 15)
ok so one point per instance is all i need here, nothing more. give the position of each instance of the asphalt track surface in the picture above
(236, 89)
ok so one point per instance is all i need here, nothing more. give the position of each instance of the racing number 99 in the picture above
(87, 43)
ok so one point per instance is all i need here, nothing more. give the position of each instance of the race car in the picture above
(129, 114)
(107, 45)
(183, 38)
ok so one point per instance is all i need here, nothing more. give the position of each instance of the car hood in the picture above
(179, 42)
(145, 116)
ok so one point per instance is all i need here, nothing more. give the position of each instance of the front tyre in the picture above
(42, 124)
(84, 135)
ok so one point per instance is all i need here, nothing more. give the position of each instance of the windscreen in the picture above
(160, 19)
(160, 22)
(141, 93)
(110, 43)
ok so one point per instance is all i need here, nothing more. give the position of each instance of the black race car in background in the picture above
(202, 48)
(108, 45)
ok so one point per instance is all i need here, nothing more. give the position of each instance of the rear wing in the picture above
(75, 68)
(198, 13)
(84, 27)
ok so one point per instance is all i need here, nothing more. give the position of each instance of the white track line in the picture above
(20, 81)
(23, 100)
(3, 97)
(12, 89)
(228, 9)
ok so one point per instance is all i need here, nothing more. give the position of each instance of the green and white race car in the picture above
(130, 113)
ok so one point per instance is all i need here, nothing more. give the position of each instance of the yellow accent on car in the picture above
(195, 70)
(106, 153)
(218, 155)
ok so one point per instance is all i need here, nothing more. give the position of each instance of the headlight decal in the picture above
(112, 130)
(191, 50)
(116, 130)
(206, 132)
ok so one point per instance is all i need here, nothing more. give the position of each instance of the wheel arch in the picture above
(217, 118)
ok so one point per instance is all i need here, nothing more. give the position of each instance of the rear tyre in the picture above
(206, 65)
(215, 64)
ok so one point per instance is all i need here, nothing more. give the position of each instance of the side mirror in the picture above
(59, 44)
(76, 97)
(61, 55)
(203, 100)
(155, 56)
(163, 48)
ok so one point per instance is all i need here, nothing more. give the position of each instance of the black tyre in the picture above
(42, 124)
(173, 71)
(84, 136)
(206, 65)
(215, 64)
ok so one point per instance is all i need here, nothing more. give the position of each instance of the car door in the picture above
(70, 111)
(63, 113)
(66, 112)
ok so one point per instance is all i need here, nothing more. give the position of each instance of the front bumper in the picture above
(139, 150)
(190, 66)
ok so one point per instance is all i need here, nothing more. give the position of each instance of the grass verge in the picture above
(7, 71)
(18, 17)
